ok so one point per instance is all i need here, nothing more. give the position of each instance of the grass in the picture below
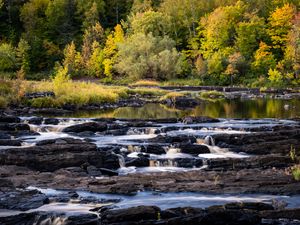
(74, 93)
(296, 172)
(149, 83)
(172, 96)
(145, 92)
(183, 82)
(3, 102)
(211, 95)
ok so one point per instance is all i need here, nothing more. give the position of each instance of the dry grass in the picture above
(149, 83)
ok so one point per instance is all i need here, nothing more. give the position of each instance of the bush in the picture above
(8, 57)
(46, 102)
(3, 102)
(172, 96)
(211, 95)
(296, 172)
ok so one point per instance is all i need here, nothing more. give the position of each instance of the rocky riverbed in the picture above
(193, 170)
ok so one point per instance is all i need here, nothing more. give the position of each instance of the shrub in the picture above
(8, 57)
(46, 102)
(211, 95)
(172, 96)
(296, 172)
(3, 102)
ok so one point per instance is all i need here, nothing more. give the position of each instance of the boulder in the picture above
(22, 200)
(134, 214)
(51, 157)
(90, 126)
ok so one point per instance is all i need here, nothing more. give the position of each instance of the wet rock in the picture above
(193, 149)
(283, 213)
(201, 119)
(263, 162)
(137, 162)
(36, 120)
(184, 139)
(22, 200)
(9, 119)
(230, 217)
(14, 127)
(91, 126)
(153, 149)
(52, 121)
(134, 214)
(7, 142)
(258, 206)
(51, 157)
(93, 171)
(181, 102)
(108, 172)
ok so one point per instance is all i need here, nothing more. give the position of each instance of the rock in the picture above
(51, 157)
(36, 120)
(134, 214)
(153, 149)
(283, 213)
(14, 127)
(52, 121)
(39, 94)
(23, 200)
(137, 162)
(9, 119)
(181, 102)
(93, 171)
(91, 126)
(108, 172)
(7, 142)
(201, 119)
(230, 217)
(193, 149)
(258, 206)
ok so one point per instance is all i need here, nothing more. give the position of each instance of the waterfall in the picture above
(51, 220)
(209, 141)
(121, 160)
(172, 151)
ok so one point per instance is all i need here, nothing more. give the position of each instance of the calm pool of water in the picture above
(258, 108)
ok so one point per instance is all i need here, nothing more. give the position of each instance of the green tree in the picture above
(249, 34)
(94, 65)
(7, 57)
(111, 50)
(150, 21)
(263, 60)
(144, 56)
(280, 23)
(92, 34)
(22, 54)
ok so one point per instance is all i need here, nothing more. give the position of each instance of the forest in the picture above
(250, 43)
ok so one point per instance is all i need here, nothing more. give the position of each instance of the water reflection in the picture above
(258, 108)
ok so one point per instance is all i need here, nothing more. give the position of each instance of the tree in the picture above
(72, 61)
(140, 6)
(60, 21)
(280, 23)
(263, 60)
(150, 22)
(249, 34)
(236, 65)
(111, 50)
(292, 51)
(94, 66)
(92, 34)
(218, 28)
(7, 57)
(144, 56)
(22, 54)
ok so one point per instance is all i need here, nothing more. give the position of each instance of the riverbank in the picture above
(201, 158)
